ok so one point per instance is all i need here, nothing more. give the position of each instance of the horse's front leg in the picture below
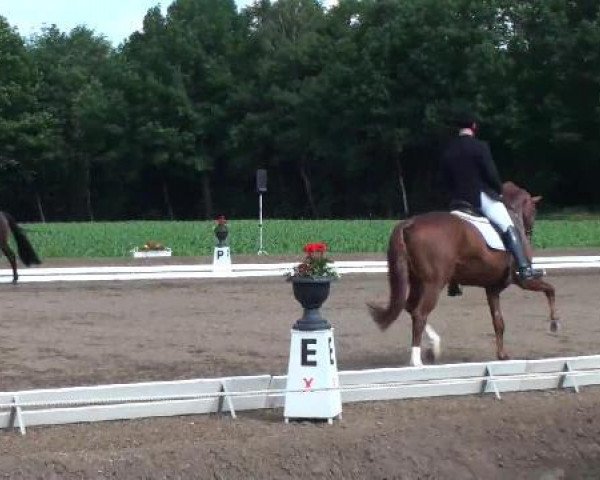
(493, 298)
(539, 285)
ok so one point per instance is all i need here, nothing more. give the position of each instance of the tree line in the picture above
(346, 108)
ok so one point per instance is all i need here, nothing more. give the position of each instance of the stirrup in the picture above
(529, 273)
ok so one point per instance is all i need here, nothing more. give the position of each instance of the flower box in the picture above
(137, 253)
(311, 280)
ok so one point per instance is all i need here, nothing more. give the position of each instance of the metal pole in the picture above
(260, 226)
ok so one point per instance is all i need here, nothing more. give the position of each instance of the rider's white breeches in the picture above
(496, 212)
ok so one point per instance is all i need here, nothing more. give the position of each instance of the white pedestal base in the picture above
(312, 379)
(222, 259)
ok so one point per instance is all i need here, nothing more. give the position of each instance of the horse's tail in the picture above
(24, 248)
(397, 277)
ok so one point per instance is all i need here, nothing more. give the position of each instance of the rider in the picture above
(470, 174)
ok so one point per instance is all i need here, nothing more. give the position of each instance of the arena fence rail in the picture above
(21, 409)
(240, 270)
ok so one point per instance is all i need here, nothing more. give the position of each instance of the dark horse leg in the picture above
(420, 308)
(12, 259)
(493, 298)
(24, 248)
(539, 285)
(454, 289)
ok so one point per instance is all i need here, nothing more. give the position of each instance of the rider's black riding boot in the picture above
(512, 241)
(454, 290)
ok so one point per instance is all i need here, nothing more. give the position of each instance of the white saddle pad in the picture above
(491, 236)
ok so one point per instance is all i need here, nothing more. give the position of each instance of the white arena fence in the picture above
(174, 272)
(21, 409)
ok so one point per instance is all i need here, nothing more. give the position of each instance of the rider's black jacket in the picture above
(467, 169)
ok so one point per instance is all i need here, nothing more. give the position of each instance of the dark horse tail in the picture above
(24, 248)
(397, 277)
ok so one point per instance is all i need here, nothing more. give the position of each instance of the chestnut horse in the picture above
(24, 249)
(429, 251)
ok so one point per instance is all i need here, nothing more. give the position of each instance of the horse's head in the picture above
(522, 204)
(529, 213)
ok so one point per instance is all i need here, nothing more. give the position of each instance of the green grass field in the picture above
(116, 239)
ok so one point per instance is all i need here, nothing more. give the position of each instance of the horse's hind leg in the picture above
(13, 261)
(435, 350)
(426, 302)
(493, 298)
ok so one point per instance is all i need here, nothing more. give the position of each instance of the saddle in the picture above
(468, 213)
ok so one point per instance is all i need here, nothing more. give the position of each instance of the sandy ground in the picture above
(68, 334)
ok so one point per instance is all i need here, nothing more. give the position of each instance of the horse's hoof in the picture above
(454, 290)
(555, 326)
(433, 351)
(430, 355)
(503, 356)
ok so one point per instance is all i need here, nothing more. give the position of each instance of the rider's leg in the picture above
(496, 212)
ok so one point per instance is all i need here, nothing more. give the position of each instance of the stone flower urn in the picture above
(311, 293)
(221, 231)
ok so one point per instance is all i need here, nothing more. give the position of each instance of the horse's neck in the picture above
(517, 218)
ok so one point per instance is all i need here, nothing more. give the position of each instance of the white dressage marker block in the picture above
(222, 259)
(312, 387)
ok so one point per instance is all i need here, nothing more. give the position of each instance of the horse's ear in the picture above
(536, 199)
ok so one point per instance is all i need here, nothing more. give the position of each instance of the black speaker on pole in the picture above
(261, 180)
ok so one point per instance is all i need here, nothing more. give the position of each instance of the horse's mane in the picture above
(521, 208)
(514, 196)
